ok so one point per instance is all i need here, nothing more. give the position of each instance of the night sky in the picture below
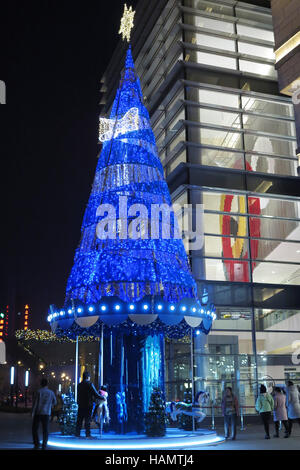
(52, 56)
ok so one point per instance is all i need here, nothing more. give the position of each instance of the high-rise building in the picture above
(227, 140)
(26, 317)
(286, 22)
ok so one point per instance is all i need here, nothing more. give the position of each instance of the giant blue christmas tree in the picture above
(129, 173)
(131, 276)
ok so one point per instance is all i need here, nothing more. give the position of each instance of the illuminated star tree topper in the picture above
(126, 23)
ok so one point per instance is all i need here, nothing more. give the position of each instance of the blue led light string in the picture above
(155, 269)
(127, 166)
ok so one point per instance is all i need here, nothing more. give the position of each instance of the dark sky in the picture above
(52, 56)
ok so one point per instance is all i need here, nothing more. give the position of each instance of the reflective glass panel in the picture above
(256, 50)
(267, 107)
(215, 42)
(216, 60)
(256, 33)
(215, 157)
(269, 145)
(220, 118)
(265, 164)
(215, 97)
(220, 138)
(214, 24)
(267, 70)
(274, 126)
(276, 273)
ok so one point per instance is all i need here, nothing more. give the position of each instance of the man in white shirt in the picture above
(41, 412)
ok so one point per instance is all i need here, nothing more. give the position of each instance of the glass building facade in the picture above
(227, 140)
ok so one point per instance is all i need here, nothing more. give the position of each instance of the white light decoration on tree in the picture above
(131, 121)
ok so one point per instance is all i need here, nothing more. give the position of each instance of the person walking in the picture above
(293, 404)
(86, 395)
(280, 412)
(41, 412)
(230, 411)
(265, 405)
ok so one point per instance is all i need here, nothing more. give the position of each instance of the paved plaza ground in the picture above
(15, 433)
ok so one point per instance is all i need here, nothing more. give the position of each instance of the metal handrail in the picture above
(213, 407)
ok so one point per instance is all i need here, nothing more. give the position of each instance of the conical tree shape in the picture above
(128, 171)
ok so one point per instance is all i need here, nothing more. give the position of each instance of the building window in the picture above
(257, 33)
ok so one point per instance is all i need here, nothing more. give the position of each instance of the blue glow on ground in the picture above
(173, 440)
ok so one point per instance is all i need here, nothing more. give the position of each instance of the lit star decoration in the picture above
(126, 23)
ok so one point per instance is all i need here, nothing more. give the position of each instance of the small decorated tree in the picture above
(155, 419)
(68, 417)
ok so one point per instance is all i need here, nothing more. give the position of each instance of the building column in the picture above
(200, 362)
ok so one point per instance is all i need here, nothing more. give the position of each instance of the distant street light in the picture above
(12, 381)
(26, 386)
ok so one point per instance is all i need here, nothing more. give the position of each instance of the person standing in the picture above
(280, 413)
(86, 395)
(41, 412)
(293, 404)
(230, 411)
(265, 405)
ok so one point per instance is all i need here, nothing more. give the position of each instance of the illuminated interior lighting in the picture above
(287, 47)
(145, 307)
(183, 309)
(69, 311)
(291, 89)
(131, 306)
(172, 307)
(79, 310)
(159, 307)
(91, 309)
(117, 307)
(103, 307)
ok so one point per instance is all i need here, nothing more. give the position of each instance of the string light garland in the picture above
(48, 336)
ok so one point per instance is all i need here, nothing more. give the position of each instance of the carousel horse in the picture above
(102, 413)
(195, 410)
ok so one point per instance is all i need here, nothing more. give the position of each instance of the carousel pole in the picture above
(100, 377)
(76, 352)
(192, 374)
(100, 361)
(76, 368)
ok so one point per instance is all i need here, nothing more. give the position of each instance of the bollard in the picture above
(212, 416)
(242, 419)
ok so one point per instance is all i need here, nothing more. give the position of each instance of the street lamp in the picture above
(26, 386)
(12, 381)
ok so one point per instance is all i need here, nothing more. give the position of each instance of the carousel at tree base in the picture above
(127, 289)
